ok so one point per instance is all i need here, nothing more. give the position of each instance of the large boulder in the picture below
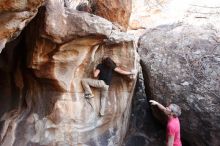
(63, 46)
(181, 64)
(180, 61)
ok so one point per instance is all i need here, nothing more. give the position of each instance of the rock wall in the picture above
(148, 13)
(116, 11)
(42, 65)
(14, 17)
(61, 46)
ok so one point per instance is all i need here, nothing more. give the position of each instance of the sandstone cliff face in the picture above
(181, 65)
(148, 13)
(14, 17)
(116, 11)
(62, 46)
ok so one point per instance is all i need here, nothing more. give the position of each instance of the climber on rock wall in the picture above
(173, 111)
(103, 72)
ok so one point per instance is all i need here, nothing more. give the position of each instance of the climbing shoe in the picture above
(89, 96)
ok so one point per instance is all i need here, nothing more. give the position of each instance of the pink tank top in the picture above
(173, 129)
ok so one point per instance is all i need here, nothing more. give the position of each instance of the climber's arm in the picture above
(124, 72)
(170, 140)
(160, 106)
(96, 73)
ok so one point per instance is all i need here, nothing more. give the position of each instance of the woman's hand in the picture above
(153, 102)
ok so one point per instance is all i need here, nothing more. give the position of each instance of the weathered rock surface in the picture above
(181, 64)
(16, 6)
(15, 15)
(63, 48)
(117, 11)
(151, 13)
